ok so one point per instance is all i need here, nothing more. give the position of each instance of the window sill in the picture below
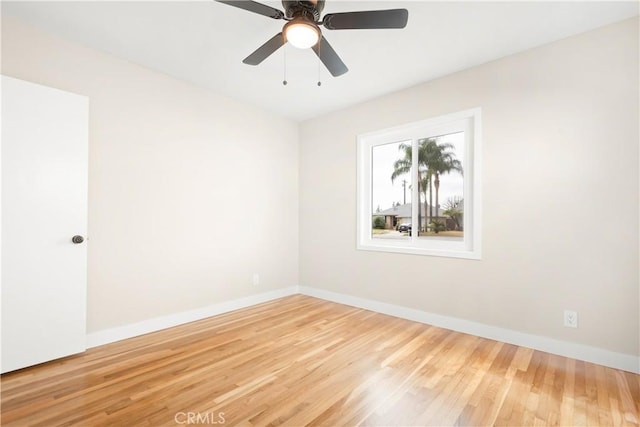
(416, 250)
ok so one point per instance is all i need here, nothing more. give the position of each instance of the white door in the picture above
(44, 205)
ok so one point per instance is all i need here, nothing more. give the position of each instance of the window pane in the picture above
(432, 204)
(391, 190)
(441, 185)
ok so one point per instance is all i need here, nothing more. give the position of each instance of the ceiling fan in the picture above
(303, 28)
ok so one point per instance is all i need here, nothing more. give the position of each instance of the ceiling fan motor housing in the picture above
(309, 9)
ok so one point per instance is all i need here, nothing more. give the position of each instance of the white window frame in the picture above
(470, 246)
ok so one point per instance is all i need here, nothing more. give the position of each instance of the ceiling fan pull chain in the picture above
(319, 65)
(284, 71)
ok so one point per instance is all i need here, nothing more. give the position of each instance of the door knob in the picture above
(77, 239)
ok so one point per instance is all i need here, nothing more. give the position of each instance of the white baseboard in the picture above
(626, 362)
(107, 336)
(587, 353)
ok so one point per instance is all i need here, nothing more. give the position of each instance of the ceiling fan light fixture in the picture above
(301, 33)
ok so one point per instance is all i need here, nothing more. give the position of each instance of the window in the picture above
(419, 187)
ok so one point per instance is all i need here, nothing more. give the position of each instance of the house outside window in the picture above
(419, 187)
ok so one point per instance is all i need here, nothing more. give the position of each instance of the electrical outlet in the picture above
(570, 319)
(256, 279)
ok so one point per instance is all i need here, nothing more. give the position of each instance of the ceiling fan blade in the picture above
(255, 7)
(329, 58)
(371, 19)
(263, 52)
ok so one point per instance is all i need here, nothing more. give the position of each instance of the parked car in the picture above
(403, 228)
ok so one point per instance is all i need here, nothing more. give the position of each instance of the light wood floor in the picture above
(299, 361)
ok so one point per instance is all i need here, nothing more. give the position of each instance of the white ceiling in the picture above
(204, 42)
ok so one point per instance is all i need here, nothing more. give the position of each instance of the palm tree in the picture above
(438, 160)
(442, 161)
(403, 166)
(434, 160)
(425, 181)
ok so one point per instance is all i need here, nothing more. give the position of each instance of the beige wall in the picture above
(166, 205)
(190, 192)
(559, 185)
